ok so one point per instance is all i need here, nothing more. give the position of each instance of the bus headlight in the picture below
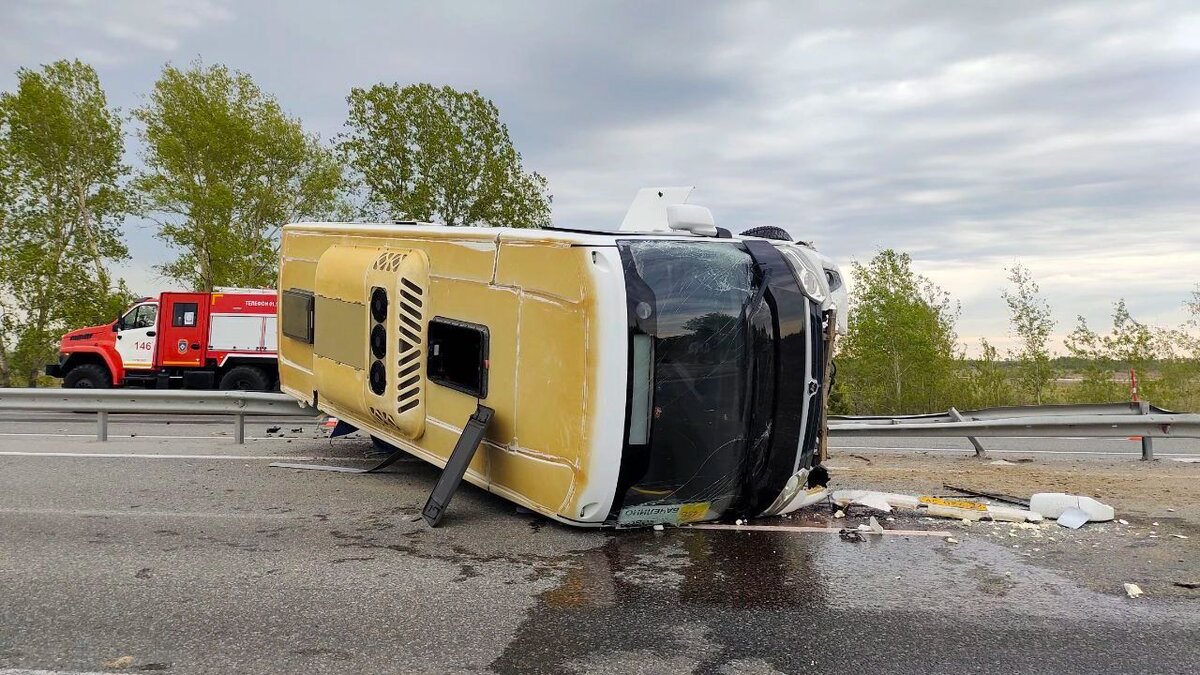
(808, 278)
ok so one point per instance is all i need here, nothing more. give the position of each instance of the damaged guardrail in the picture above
(1092, 421)
(155, 401)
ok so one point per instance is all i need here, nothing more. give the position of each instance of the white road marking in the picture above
(113, 437)
(807, 529)
(139, 455)
(24, 671)
(1011, 452)
(137, 513)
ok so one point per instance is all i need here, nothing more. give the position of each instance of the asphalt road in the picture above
(190, 555)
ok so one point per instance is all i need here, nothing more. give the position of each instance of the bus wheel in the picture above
(246, 378)
(88, 376)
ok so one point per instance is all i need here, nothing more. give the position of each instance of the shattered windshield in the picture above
(700, 305)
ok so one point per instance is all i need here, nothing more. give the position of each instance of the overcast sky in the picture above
(974, 135)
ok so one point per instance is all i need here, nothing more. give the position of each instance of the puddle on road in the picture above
(696, 592)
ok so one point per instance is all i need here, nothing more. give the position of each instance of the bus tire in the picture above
(88, 376)
(245, 378)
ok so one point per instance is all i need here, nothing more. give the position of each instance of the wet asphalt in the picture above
(224, 565)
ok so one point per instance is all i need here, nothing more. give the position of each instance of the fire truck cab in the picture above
(225, 339)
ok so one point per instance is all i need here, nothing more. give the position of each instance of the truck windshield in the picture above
(701, 329)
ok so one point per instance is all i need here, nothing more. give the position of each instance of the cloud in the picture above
(104, 32)
(973, 135)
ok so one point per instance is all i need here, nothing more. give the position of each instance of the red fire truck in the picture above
(224, 339)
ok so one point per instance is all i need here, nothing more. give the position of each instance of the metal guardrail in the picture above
(155, 402)
(1108, 420)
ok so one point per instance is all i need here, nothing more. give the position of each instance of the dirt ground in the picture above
(1157, 546)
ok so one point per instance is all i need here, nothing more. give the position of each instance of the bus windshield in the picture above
(706, 339)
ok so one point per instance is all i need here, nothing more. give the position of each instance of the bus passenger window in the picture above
(458, 354)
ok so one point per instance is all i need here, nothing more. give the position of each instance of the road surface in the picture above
(190, 555)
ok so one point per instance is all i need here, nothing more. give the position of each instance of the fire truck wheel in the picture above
(246, 378)
(88, 376)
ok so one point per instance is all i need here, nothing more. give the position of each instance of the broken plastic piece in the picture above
(1133, 591)
(844, 497)
(875, 501)
(951, 540)
(1073, 518)
(875, 526)
(1053, 504)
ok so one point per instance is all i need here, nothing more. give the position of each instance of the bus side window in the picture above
(458, 356)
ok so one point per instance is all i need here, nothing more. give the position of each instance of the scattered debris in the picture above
(875, 526)
(1054, 504)
(1073, 518)
(951, 540)
(990, 495)
(273, 430)
(1179, 536)
(839, 514)
(844, 498)
(658, 527)
(875, 501)
(851, 536)
(1123, 522)
(1133, 591)
(119, 662)
(1188, 584)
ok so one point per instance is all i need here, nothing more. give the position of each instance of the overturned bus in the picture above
(667, 372)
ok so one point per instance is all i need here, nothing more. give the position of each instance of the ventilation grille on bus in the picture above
(384, 418)
(409, 326)
(389, 262)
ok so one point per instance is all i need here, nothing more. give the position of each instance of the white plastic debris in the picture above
(951, 540)
(839, 514)
(1179, 536)
(1133, 591)
(658, 528)
(847, 497)
(1073, 518)
(1123, 522)
(875, 526)
(739, 521)
(875, 500)
(1053, 504)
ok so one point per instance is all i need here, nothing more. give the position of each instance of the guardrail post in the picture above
(239, 428)
(1147, 441)
(102, 425)
(979, 451)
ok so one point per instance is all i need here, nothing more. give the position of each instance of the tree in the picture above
(899, 354)
(988, 382)
(1029, 315)
(61, 201)
(437, 154)
(225, 169)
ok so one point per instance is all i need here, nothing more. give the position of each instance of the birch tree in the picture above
(226, 168)
(899, 355)
(1029, 315)
(62, 198)
(438, 154)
